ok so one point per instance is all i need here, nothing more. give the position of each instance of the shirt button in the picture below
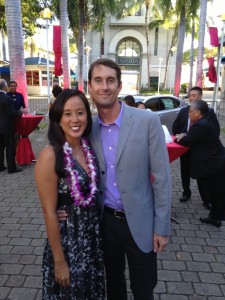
(110, 148)
(102, 172)
(114, 184)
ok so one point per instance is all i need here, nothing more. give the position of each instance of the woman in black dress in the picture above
(66, 177)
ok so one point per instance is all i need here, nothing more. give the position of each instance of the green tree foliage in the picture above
(207, 53)
(30, 13)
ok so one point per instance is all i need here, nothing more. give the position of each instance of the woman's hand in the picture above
(62, 274)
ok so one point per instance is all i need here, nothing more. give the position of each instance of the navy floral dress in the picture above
(81, 242)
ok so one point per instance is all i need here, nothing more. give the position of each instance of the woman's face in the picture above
(74, 119)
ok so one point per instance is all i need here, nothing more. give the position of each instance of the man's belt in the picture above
(120, 214)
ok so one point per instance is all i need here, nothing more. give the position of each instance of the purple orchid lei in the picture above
(73, 179)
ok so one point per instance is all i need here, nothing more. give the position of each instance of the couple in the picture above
(114, 196)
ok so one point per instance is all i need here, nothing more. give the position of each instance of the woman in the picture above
(66, 177)
(207, 160)
(129, 100)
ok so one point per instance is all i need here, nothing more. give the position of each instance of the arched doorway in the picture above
(129, 59)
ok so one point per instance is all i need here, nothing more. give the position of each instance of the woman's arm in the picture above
(47, 185)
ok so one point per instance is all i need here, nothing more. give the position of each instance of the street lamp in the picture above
(219, 57)
(160, 63)
(173, 50)
(46, 14)
(88, 49)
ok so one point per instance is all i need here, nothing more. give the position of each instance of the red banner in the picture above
(57, 49)
(212, 70)
(214, 40)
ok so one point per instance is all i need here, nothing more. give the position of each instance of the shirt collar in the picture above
(118, 119)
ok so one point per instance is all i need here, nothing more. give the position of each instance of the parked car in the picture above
(166, 106)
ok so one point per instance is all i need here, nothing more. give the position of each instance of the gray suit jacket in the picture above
(141, 151)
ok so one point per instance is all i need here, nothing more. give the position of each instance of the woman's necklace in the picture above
(73, 176)
(77, 156)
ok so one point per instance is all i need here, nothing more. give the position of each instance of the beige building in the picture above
(124, 41)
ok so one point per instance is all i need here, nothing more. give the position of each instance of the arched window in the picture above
(129, 48)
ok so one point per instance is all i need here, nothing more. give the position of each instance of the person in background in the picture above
(129, 100)
(181, 125)
(140, 105)
(56, 90)
(207, 159)
(66, 176)
(7, 129)
(18, 99)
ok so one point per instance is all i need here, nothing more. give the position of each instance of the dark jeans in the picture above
(118, 244)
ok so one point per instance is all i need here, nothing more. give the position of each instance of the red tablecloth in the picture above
(175, 150)
(24, 126)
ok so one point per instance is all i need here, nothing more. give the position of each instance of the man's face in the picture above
(12, 87)
(194, 96)
(104, 86)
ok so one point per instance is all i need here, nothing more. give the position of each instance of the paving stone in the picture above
(180, 288)
(198, 267)
(22, 250)
(10, 269)
(203, 257)
(22, 294)
(33, 282)
(190, 276)
(4, 291)
(211, 278)
(15, 280)
(207, 289)
(32, 270)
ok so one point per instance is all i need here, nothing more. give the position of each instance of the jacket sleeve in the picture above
(11, 112)
(213, 118)
(176, 125)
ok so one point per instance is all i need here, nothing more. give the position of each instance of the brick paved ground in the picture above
(192, 267)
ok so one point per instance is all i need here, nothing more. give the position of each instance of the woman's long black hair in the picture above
(56, 135)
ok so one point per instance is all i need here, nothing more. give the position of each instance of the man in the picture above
(7, 141)
(129, 145)
(207, 162)
(181, 125)
(18, 99)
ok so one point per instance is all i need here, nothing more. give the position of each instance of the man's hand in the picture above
(61, 215)
(160, 242)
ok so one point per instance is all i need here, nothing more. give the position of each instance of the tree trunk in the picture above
(191, 55)
(16, 47)
(180, 46)
(81, 46)
(147, 41)
(201, 38)
(65, 43)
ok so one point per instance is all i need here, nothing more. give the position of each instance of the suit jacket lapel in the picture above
(126, 126)
(96, 139)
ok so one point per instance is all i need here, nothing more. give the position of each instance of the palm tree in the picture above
(147, 5)
(65, 43)
(203, 10)
(16, 47)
